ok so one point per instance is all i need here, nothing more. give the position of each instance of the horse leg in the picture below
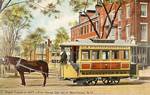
(24, 83)
(44, 75)
(22, 78)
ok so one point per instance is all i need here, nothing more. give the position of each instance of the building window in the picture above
(128, 11)
(84, 29)
(87, 28)
(95, 25)
(143, 9)
(112, 13)
(112, 34)
(144, 31)
(40, 49)
(128, 30)
(119, 14)
(91, 28)
(81, 31)
(119, 33)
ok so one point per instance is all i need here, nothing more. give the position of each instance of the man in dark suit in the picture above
(63, 59)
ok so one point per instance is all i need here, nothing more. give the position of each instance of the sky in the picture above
(51, 24)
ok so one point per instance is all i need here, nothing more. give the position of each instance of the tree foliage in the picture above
(49, 9)
(13, 21)
(73, 23)
(32, 40)
(108, 11)
(61, 36)
(79, 5)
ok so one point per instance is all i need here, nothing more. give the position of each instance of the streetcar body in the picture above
(90, 60)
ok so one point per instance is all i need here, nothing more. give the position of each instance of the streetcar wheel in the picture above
(86, 81)
(110, 81)
(93, 82)
(115, 80)
(96, 82)
(81, 83)
(106, 80)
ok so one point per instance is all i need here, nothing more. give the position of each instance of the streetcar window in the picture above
(85, 54)
(95, 54)
(126, 54)
(105, 55)
(115, 54)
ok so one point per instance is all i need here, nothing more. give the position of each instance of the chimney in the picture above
(81, 17)
(49, 42)
(90, 12)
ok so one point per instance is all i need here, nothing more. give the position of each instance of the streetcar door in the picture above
(134, 70)
(68, 70)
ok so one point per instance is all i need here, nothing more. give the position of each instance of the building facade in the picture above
(42, 52)
(132, 22)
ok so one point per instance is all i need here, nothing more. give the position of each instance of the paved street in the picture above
(55, 86)
(58, 87)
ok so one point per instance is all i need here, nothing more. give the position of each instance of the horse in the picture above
(23, 65)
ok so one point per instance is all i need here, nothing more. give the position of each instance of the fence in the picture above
(141, 54)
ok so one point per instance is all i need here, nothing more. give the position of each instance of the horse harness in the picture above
(31, 69)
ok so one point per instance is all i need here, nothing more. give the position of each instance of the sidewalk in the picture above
(144, 74)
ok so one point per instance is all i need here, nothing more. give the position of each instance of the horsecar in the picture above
(92, 60)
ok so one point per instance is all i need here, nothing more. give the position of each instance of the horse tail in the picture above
(45, 67)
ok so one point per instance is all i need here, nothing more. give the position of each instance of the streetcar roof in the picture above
(89, 42)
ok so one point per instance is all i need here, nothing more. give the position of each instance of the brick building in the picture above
(132, 21)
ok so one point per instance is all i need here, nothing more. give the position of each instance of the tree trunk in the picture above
(103, 27)
(31, 55)
(2, 70)
(112, 22)
(94, 27)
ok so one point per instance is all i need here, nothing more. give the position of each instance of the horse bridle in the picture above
(18, 62)
(8, 61)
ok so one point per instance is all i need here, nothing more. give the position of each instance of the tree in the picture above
(30, 43)
(26, 47)
(4, 4)
(61, 36)
(48, 9)
(78, 5)
(111, 21)
(73, 23)
(13, 21)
